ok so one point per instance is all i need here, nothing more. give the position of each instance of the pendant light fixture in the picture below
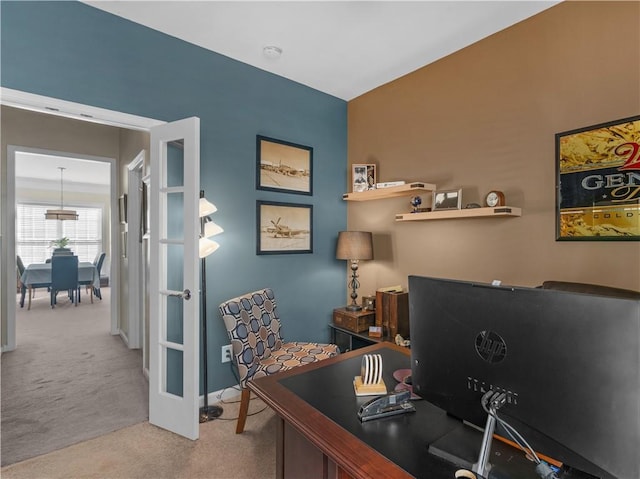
(61, 214)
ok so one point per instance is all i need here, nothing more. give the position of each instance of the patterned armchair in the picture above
(253, 325)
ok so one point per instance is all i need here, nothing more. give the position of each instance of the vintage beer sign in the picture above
(598, 182)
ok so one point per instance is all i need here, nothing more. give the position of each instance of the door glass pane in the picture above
(175, 215)
(174, 372)
(175, 259)
(173, 252)
(174, 320)
(175, 163)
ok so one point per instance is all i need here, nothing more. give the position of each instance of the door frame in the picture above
(12, 150)
(67, 109)
(135, 173)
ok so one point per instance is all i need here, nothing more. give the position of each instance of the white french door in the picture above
(174, 329)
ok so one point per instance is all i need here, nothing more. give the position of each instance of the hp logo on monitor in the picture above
(491, 347)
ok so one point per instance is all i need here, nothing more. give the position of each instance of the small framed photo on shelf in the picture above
(284, 228)
(364, 177)
(447, 200)
(283, 166)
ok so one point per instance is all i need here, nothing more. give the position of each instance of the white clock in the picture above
(494, 198)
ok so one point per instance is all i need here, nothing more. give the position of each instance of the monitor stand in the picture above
(462, 447)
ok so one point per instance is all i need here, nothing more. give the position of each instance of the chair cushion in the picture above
(253, 326)
(289, 356)
(253, 323)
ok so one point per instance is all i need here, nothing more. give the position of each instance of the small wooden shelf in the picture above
(377, 194)
(498, 211)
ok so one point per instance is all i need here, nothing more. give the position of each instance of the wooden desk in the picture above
(320, 436)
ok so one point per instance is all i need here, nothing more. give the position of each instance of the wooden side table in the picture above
(345, 337)
(356, 321)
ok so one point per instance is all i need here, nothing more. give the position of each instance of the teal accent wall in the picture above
(74, 52)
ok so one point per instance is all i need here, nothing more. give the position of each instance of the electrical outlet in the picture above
(226, 353)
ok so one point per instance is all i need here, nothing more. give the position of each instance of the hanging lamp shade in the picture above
(211, 228)
(207, 227)
(61, 214)
(206, 247)
(205, 207)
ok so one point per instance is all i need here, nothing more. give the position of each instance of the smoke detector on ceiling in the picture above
(272, 52)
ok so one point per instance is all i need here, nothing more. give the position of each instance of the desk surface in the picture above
(390, 447)
(318, 400)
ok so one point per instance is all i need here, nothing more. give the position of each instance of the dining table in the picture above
(40, 274)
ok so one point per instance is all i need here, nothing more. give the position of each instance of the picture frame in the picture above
(446, 200)
(597, 188)
(122, 209)
(363, 177)
(283, 228)
(283, 166)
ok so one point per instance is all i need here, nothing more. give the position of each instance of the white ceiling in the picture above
(44, 170)
(343, 48)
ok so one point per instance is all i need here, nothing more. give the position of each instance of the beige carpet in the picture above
(145, 451)
(72, 388)
(68, 380)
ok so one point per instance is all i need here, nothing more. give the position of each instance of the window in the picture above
(34, 234)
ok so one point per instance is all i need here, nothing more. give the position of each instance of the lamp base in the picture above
(353, 307)
(210, 412)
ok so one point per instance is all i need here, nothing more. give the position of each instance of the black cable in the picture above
(542, 468)
(232, 366)
(520, 441)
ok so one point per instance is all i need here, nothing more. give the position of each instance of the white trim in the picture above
(77, 111)
(226, 394)
(53, 185)
(136, 293)
(124, 337)
(54, 106)
(9, 219)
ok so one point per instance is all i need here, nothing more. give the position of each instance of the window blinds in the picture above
(34, 234)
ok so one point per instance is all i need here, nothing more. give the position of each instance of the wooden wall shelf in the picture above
(498, 211)
(402, 190)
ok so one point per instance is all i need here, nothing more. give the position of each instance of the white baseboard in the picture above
(226, 394)
(124, 337)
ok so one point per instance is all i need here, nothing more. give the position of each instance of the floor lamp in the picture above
(205, 247)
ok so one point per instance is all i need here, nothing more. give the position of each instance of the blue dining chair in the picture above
(23, 287)
(97, 262)
(96, 291)
(64, 277)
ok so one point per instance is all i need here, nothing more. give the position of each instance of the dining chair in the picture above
(23, 287)
(88, 283)
(96, 291)
(64, 277)
(258, 349)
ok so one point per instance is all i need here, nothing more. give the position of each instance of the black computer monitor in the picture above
(569, 362)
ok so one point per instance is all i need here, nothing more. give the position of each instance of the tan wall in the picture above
(485, 118)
